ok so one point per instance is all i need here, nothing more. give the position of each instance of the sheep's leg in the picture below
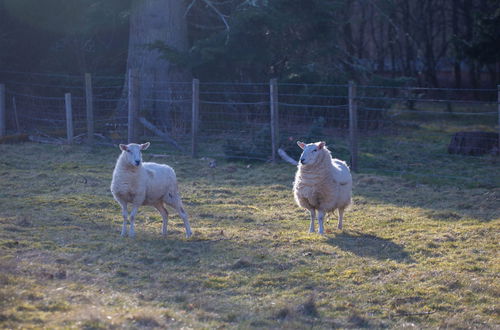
(184, 217)
(313, 216)
(341, 216)
(164, 214)
(321, 216)
(125, 217)
(131, 232)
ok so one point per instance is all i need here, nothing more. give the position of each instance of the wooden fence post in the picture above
(273, 89)
(89, 102)
(2, 111)
(195, 117)
(69, 118)
(353, 126)
(133, 105)
(16, 117)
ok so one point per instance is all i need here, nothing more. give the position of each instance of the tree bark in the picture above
(362, 32)
(409, 53)
(428, 38)
(457, 68)
(152, 21)
(348, 37)
(469, 33)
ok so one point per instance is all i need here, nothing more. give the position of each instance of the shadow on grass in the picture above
(371, 246)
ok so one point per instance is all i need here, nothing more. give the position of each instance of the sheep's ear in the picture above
(302, 145)
(321, 145)
(144, 146)
(123, 147)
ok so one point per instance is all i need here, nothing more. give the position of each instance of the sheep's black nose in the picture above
(137, 162)
(302, 160)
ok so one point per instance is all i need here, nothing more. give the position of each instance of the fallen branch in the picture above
(160, 133)
(100, 136)
(80, 139)
(157, 156)
(80, 136)
(41, 139)
(14, 138)
(286, 158)
(109, 144)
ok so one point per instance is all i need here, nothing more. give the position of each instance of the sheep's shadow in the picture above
(371, 246)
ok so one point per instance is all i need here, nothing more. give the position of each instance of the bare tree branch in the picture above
(221, 16)
(188, 9)
(396, 27)
(206, 27)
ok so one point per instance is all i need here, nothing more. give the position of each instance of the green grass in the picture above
(413, 252)
(415, 146)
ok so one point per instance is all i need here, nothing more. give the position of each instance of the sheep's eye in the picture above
(315, 150)
(128, 151)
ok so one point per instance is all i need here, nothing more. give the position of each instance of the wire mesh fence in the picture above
(234, 121)
(36, 105)
(426, 133)
(421, 134)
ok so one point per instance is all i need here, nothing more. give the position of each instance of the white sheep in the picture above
(321, 183)
(140, 183)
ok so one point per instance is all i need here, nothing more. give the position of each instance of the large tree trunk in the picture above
(152, 21)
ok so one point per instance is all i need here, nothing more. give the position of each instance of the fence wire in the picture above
(415, 132)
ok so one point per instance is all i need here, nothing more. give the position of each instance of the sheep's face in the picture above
(310, 152)
(132, 152)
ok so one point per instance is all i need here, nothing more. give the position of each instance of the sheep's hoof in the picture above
(189, 234)
(339, 227)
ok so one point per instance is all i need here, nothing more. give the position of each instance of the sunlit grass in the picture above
(412, 252)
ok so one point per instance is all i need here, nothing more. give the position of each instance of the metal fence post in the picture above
(195, 117)
(69, 118)
(133, 105)
(2, 111)
(273, 89)
(353, 126)
(89, 102)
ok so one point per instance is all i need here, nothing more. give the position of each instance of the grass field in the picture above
(414, 253)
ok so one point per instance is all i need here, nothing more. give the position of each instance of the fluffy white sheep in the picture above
(321, 183)
(141, 183)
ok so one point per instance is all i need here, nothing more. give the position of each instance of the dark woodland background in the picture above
(433, 43)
